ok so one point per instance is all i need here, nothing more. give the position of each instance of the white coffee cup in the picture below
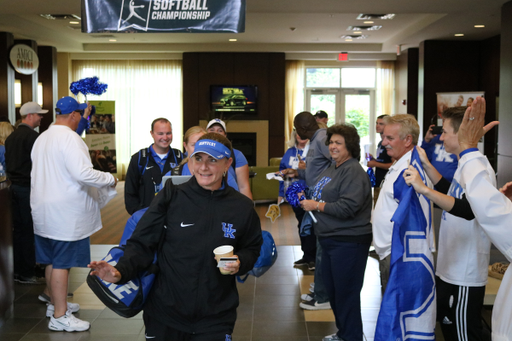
(223, 251)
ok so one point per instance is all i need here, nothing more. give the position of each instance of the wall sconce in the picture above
(17, 93)
(40, 94)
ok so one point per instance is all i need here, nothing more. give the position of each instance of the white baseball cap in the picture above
(31, 108)
(217, 121)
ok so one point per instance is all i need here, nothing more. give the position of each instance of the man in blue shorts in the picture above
(66, 197)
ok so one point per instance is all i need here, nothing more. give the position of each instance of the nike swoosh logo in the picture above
(150, 337)
(185, 225)
(149, 167)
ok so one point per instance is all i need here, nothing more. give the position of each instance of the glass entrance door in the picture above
(347, 105)
(326, 100)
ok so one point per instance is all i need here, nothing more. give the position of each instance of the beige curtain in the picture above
(294, 93)
(386, 86)
(142, 90)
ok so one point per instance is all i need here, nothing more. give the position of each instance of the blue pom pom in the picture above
(90, 85)
(292, 191)
(371, 174)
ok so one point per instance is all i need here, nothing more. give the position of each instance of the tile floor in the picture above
(268, 308)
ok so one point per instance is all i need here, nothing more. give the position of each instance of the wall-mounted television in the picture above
(234, 98)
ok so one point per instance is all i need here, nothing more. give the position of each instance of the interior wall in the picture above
(64, 74)
(458, 66)
(401, 82)
(265, 70)
(489, 79)
(505, 100)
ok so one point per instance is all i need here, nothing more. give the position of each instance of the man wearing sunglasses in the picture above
(18, 147)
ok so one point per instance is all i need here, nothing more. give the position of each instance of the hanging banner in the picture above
(197, 16)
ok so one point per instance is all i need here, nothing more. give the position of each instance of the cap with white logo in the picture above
(217, 121)
(213, 148)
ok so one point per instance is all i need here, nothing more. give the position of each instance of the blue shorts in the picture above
(63, 254)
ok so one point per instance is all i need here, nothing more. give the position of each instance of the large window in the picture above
(142, 91)
(347, 95)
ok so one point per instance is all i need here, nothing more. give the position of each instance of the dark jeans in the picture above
(23, 232)
(321, 295)
(308, 243)
(343, 266)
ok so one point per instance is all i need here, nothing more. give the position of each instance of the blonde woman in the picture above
(189, 140)
(5, 130)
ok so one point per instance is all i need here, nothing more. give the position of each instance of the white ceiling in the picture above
(318, 27)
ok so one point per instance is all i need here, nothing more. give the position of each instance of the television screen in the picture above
(240, 98)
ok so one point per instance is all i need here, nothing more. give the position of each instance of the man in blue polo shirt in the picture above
(149, 165)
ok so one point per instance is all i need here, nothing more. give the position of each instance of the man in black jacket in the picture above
(149, 165)
(18, 147)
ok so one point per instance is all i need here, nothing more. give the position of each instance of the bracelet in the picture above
(317, 207)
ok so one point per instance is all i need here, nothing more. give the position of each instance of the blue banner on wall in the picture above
(198, 16)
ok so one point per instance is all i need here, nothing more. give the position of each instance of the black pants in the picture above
(459, 310)
(343, 266)
(156, 331)
(23, 232)
(307, 243)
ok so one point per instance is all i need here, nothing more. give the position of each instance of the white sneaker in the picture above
(314, 305)
(307, 297)
(72, 307)
(333, 337)
(69, 323)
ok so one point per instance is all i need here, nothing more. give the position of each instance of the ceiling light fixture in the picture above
(112, 40)
(375, 16)
(351, 36)
(357, 32)
(60, 16)
(74, 22)
(479, 26)
(232, 39)
(459, 34)
(364, 28)
(367, 22)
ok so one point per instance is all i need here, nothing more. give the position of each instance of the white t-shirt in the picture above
(386, 206)
(493, 211)
(464, 248)
(64, 198)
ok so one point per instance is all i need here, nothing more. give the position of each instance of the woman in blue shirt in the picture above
(294, 158)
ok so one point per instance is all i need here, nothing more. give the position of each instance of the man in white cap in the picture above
(67, 194)
(18, 166)
(239, 169)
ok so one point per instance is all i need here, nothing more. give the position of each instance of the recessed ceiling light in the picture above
(112, 40)
(74, 22)
(459, 34)
(348, 39)
(357, 32)
(367, 22)
(479, 26)
(232, 39)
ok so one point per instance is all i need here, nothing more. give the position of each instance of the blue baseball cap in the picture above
(66, 105)
(213, 148)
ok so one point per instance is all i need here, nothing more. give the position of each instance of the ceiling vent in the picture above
(61, 16)
(375, 16)
(364, 28)
(358, 37)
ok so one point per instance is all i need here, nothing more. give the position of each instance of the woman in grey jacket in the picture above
(342, 200)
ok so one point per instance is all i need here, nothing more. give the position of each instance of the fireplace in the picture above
(246, 143)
